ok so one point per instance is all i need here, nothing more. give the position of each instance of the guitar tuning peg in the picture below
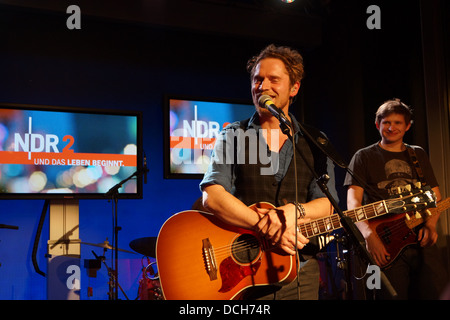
(418, 215)
(428, 212)
(408, 187)
(399, 190)
(418, 185)
(407, 217)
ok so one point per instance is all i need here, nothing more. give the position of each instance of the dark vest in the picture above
(252, 186)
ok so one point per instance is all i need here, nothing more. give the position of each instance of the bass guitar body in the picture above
(394, 234)
(398, 231)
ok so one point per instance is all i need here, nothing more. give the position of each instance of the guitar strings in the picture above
(236, 247)
(395, 229)
(241, 246)
(308, 228)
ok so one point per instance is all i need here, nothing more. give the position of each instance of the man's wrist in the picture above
(300, 209)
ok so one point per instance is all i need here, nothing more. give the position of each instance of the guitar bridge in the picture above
(209, 259)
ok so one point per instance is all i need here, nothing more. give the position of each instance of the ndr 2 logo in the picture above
(35, 142)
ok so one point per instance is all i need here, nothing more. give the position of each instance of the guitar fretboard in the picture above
(332, 222)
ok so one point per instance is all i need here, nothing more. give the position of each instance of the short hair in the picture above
(393, 106)
(291, 58)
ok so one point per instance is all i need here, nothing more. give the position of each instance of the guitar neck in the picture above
(332, 222)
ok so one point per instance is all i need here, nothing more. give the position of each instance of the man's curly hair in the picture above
(291, 58)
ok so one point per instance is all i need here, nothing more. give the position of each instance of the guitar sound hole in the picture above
(245, 248)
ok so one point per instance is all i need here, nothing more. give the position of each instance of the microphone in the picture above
(266, 102)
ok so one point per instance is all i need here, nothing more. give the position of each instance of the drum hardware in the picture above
(149, 270)
(93, 265)
(149, 285)
(335, 281)
(106, 245)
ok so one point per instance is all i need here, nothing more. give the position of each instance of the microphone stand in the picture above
(346, 222)
(113, 193)
(286, 126)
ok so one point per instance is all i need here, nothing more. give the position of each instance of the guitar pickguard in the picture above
(232, 273)
(244, 261)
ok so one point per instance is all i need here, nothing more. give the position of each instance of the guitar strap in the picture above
(415, 162)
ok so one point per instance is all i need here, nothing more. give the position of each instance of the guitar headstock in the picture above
(412, 198)
(413, 219)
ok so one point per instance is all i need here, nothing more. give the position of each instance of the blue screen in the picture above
(194, 126)
(66, 152)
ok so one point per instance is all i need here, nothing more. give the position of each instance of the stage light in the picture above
(288, 1)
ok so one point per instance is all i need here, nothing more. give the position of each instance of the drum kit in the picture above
(149, 284)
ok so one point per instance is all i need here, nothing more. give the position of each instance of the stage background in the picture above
(128, 56)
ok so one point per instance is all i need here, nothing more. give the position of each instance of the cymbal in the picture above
(145, 246)
(105, 245)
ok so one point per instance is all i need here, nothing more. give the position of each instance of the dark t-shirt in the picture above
(379, 172)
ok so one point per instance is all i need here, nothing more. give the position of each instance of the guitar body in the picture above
(397, 231)
(394, 233)
(201, 258)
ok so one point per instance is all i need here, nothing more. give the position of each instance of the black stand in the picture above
(113, 281)
(113, 194)
(349, 226)
(115, 272)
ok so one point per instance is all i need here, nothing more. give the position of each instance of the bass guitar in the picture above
(399, 231)
(199, 257)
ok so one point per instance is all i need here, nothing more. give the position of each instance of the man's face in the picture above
(392, 128)
(271, 78)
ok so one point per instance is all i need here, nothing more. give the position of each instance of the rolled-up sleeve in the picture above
(220, 169)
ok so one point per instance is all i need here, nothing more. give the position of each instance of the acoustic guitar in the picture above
(199, 257)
